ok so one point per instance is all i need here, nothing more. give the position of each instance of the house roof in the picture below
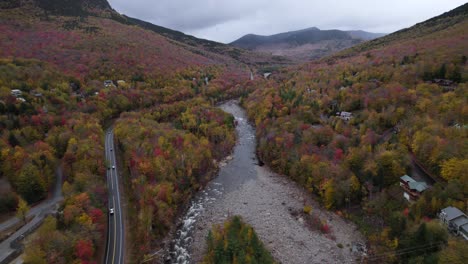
(418, 186)
(414, 185)
(461, 221)
(465, 228)
(452, 213)
(407, 178)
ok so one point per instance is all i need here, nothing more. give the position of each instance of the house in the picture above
(412, 188)
(456, 221)
(16, 92)
(36, 93)
(443, 82)
(266, 75)
(345, 115)
(21, 99)
(109, 83)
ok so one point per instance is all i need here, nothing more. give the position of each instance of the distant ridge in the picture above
(305, 44)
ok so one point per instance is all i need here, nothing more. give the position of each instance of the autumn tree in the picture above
(22, 210)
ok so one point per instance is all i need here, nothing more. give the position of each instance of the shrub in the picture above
(235, 242)
(307, 209)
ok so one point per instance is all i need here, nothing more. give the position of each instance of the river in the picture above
(266, 201)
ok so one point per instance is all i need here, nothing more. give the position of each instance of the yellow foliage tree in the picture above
(455, 169)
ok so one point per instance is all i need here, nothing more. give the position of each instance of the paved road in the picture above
(56, 197)
(38, 212)
(115, 234)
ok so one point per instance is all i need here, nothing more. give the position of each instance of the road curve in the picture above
(38, 213)
(115, 232)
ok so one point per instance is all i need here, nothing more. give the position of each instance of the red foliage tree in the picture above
(84, 249)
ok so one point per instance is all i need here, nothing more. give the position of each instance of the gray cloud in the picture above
(227, 20)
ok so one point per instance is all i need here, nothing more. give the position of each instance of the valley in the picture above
(122, 141)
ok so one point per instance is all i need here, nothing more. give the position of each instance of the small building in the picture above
(109, 83)
(443, 82)
(266, 75)
(455, 220)
(36, 93)
(21, 99)
(346, 116)
(16, 92)
(412, 188)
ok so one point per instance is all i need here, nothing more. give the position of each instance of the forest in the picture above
(346, 128)
(397, 113)
(60, 124)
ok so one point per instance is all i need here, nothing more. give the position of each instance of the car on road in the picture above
(111, 211)
(110, 149)
(113, 167)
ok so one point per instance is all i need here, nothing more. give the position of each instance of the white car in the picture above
(111, 211)
(113, 167)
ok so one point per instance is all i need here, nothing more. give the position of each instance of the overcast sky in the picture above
(228, 20)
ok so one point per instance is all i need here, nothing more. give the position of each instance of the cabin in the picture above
(443, 82)
(109, 83)
(455, 220)
(16, 92)
(346, 116)
(412, 189)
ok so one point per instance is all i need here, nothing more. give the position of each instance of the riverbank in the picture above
(269, 203)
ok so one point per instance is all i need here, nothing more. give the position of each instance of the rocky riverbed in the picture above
(271, 203)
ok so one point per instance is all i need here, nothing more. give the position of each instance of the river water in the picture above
(265, 200)
(234, 171)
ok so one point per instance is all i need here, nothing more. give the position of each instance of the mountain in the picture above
(426, 28)
(304, 44)
(242, 55)
(88, 37)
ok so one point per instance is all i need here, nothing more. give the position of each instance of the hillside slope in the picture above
(304, 44)
(347, 127)
(88, 37)
(435, 24)
(95, 46)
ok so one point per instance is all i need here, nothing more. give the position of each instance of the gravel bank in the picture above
(267, 201)
(266, 204)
